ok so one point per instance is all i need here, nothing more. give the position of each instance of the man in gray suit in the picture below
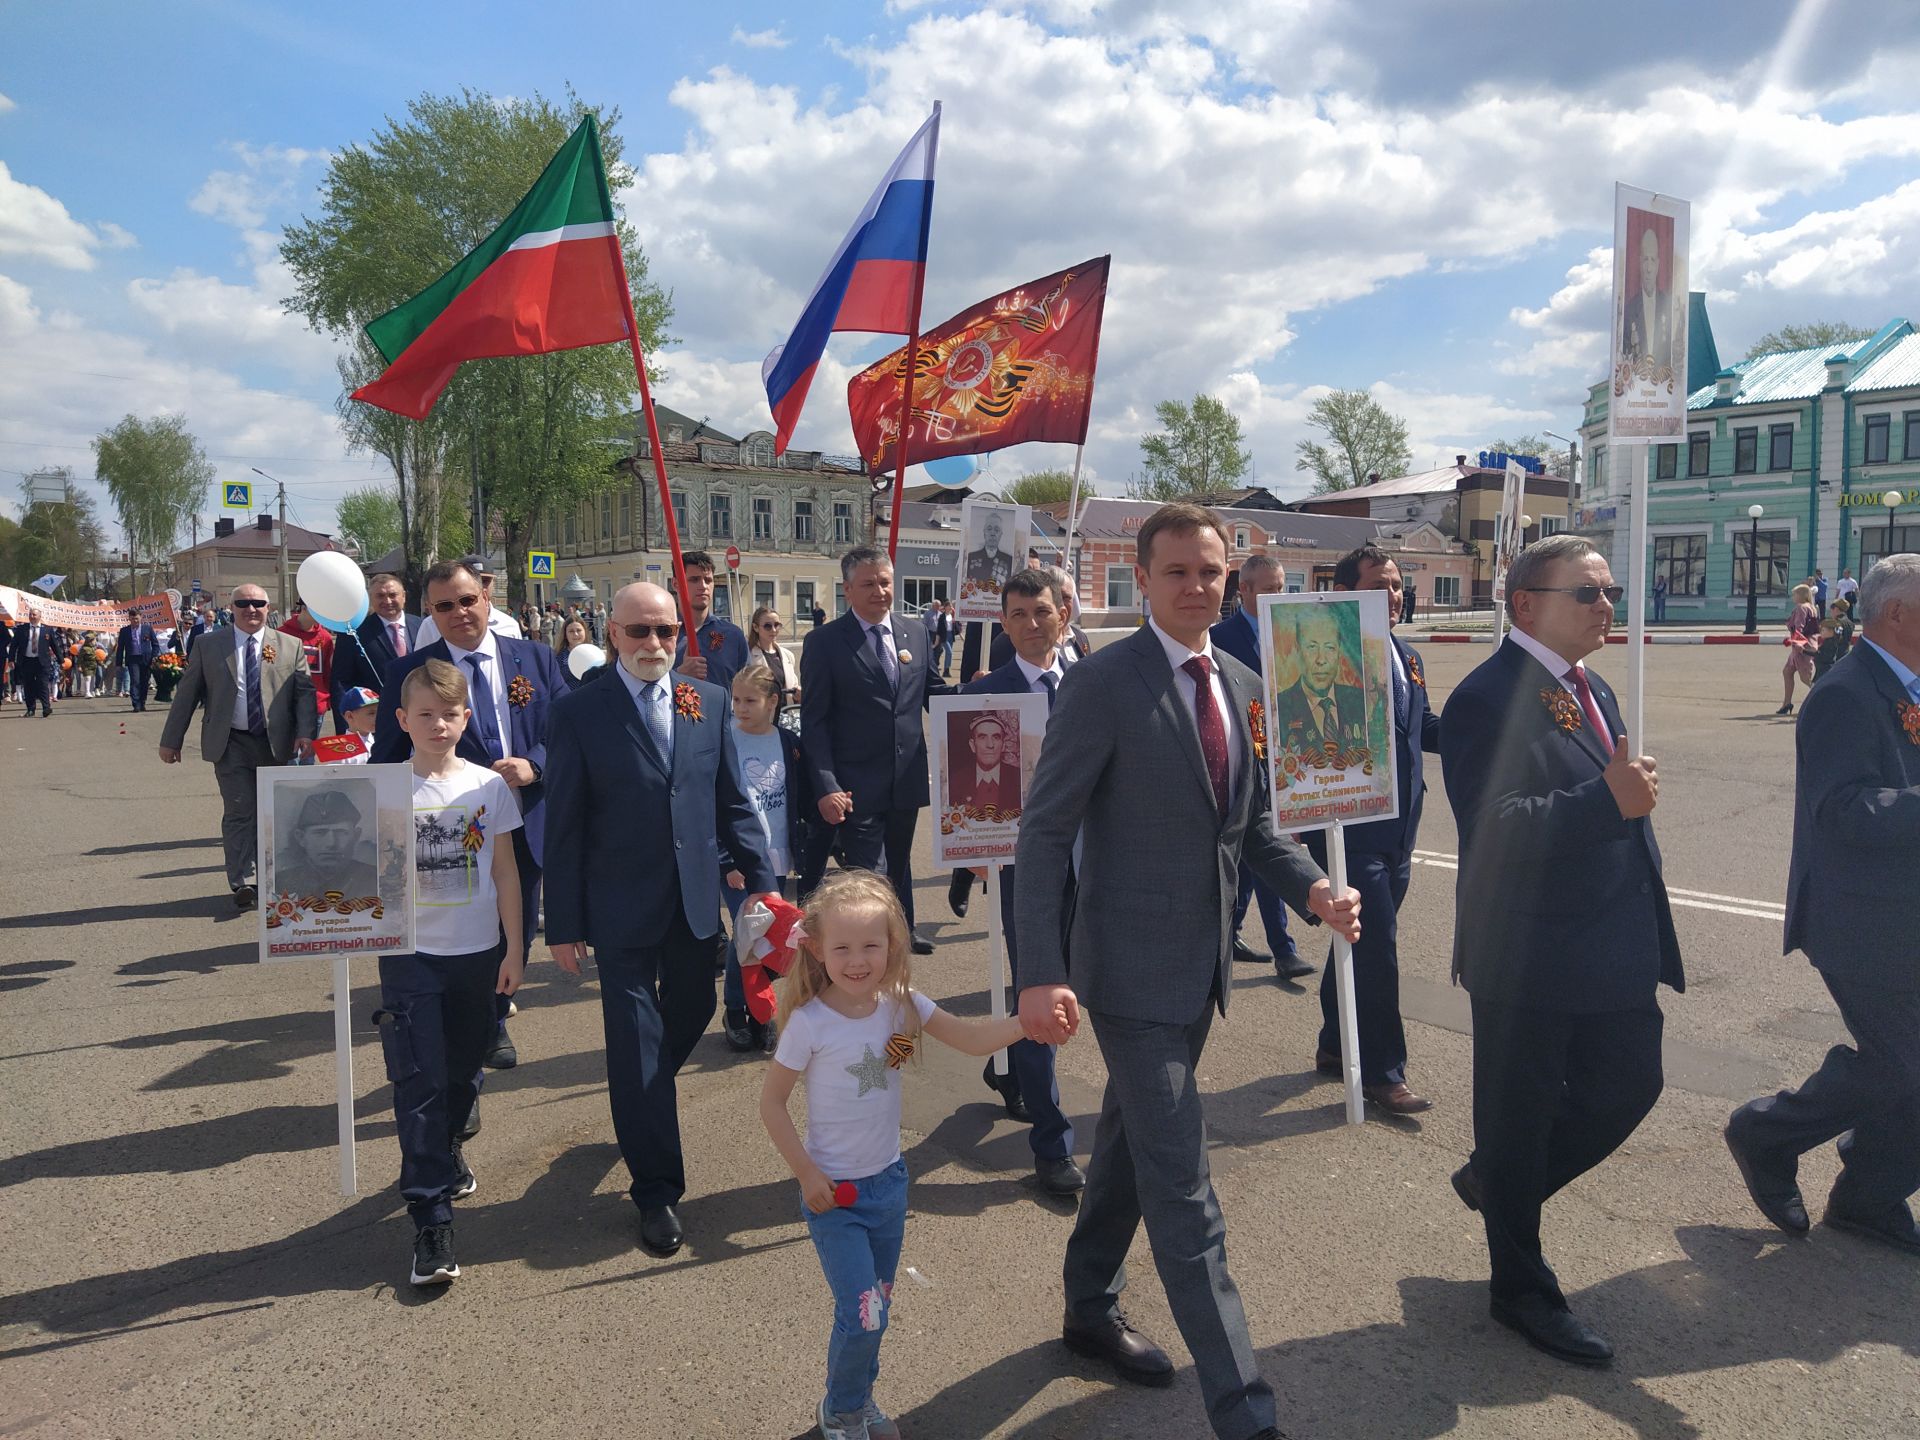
(1163, 773)
(260, 709)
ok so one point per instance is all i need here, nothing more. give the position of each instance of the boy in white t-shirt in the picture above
(436, 1016)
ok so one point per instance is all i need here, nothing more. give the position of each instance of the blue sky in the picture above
(1298, 195)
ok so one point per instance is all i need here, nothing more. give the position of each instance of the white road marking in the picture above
(1691, 899)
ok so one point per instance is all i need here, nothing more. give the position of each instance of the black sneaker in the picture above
(433, 1262)
(465, 1185)
(739, 1032)
(502, 1056)
(472, 1127)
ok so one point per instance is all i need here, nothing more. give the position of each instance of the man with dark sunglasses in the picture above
(1563, 933)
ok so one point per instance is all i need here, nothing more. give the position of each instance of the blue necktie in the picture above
(483, 715)
(1052, 682)
(888, 665)
(256, 707)
(653, 712)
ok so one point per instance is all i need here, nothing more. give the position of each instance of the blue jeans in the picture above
(859, 1249)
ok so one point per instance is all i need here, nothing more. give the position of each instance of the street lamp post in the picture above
(1892, 501)
(1754, 512)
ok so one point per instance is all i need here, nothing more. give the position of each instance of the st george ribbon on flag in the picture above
(1015, 367)
(547, 279)
(870, 284)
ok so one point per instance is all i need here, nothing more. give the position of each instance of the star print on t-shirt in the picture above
(871, 1071)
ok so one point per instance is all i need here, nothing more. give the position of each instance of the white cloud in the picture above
(6, 105)
(36, 226)
(266, 180)
(761, 39)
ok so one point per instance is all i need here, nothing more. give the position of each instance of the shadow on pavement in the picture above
(193, 962)
(151, 847)
(191, 907)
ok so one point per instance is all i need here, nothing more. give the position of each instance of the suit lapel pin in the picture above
(1910, 721)
(519, 692)
(686, 702)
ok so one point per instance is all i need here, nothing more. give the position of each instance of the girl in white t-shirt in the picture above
(849, 1020)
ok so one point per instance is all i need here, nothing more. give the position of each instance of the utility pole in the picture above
(285, 608)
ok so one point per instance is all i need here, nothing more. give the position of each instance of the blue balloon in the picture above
(339, 627)
(952, 469)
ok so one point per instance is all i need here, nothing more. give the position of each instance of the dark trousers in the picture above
(655, 1002)
(1029, 1064)
(139, 677)
(35, 685)
(1871, 1088)
(1553, 1095)
(883, 843)
(1273, 914)
(234, 773)
(1150, 1163)
(529, 907)
(1382, 883)
(436, 1019)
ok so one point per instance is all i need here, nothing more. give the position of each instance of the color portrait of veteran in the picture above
(1646, 325)
(1319, 707)
(987, 776)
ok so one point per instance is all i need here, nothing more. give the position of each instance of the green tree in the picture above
(1042, 487)
(395, 213)
(1196, 453)
(370, 518)
(62, 537)
(1362, 436)
(157, 475)
(1813, 334)
(1541, 447)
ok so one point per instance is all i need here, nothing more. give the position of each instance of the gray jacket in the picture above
(212, 678)
(1153, 914)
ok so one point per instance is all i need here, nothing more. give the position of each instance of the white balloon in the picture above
(331, 584)
(583, 658)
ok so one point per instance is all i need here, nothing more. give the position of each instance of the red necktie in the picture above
(1213, 731)
(399, 636)
(1577, 677)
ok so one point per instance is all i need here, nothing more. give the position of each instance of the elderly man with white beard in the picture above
(643, 816)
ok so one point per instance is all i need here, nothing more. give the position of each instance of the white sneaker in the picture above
(879, 1425)
(850, 1426)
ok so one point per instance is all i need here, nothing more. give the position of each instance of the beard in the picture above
(646, 668)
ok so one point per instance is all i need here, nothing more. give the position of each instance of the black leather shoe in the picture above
(1060, 1177)
(245, 897)
(1247, 955)
(1772, 1187)
(921, 945)
(960, 892)
(472, 1127)
(1289, 966)
(1895, 1228)
(1270, 1433)
(502, 1056)
(739, 1035)
(1008, 1089)
(1466, 1185)
(1325, 1062)
(1133, 1357)
(1548, 1328)
(660, 1231)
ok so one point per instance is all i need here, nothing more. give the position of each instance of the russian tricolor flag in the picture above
(872, 283)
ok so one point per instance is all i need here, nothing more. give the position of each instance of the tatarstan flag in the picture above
(548, 279)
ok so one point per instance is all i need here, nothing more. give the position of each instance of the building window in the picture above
(1120, 595)
(606, 517)
(1746, 450)
(803, 521)
(1775, 548)
(839, 598)
(920, 589)
(571, 530)
(1554, 524)
(1597, 468)
(1699, 453)
(723, 601)
(763, 594)
(842, 522)
(1780, 447)
(1666, 462)
(1240, 540)
(802, 603)
(1879, 431)
(720, 515)
(680, 512)
(626, 512)
(1683, 560)
(1446, 593)
(1913, 435)
(762, 517)
(1873, 543)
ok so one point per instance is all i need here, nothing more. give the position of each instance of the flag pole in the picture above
(913, 354)
(1073, 517)
(653, 432)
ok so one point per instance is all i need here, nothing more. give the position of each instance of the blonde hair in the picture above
(760, 676)
(439, 676)
(1803, 593)
(852, 892)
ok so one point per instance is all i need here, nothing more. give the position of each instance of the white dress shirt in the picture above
(497, 682)
(1178, 653)
(240, 642)
(1557, 665)
(498, 621)
(1034, 672)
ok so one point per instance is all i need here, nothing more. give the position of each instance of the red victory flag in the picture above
(1013, 368)
(550, 278)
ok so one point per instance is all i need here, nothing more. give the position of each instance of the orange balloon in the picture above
(73, 649)
(66, 664)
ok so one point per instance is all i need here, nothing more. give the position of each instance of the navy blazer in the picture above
(369, 670)
(53, 648)
(1416, 731)
(1853, 904)
(1560, 899)
(527, 658)
(861, 734)
(123, 646)
(1000, 651)
(633, 840)
(1239, 636)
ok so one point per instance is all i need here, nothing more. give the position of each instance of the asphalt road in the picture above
(178, 1262)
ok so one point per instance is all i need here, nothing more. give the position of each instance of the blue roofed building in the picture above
(1816, 438)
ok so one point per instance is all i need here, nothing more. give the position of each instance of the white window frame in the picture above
(1120, 593)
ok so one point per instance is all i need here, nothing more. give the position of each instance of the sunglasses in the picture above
(771, 625)
(249, 604)
(641, 632)
(461, 602)
(1582, 594)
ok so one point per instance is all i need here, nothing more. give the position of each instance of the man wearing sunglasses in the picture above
(511, 683)
(1563, 932)
(259, 700)
(499, 619)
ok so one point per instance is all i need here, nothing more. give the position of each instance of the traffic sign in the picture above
(236, 495)
(540, 564)
(196, 587)
(733, 557)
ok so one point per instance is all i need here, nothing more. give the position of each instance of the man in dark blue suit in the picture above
(1853, 906)
(1033, 612)
(1239, 636)
(135, 649)
(511, 686)
(1562, 931)
(386, 635)
(644, 807)
(864, 682)
(1380, 866)
(35, 661)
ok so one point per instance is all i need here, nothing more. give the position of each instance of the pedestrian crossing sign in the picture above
(540, 564)
(237, 495)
